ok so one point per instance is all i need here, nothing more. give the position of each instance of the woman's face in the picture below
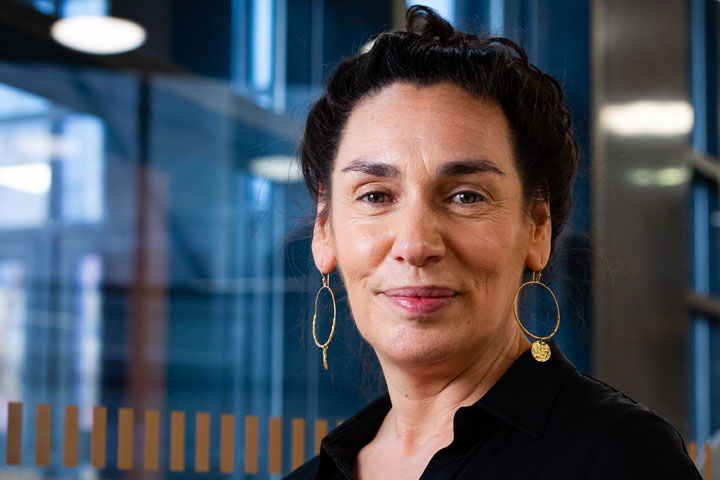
(428, 224)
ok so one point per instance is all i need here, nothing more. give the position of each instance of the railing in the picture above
(126, 458)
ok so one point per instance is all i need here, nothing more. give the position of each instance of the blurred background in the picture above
(156, 281)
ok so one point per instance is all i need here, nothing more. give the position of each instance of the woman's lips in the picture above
(420, 300)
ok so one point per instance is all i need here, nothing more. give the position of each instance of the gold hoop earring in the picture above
(324, 346)
(540, 350)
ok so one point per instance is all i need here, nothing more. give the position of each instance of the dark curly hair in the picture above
(431, 51)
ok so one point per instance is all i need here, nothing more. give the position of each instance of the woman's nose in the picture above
(418, 239)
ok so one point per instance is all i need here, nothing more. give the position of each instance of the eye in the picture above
(375, 197)
(466, 197)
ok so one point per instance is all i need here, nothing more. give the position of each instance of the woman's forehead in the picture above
(439, 123)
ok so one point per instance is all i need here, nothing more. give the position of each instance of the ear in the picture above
(323, 248)
(540, 236)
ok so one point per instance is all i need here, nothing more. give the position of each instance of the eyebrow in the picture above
(450, 169)
(372, 168)
(465, 167)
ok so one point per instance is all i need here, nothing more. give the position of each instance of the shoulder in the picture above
(607, 410)
(614, 434)
(309, 470)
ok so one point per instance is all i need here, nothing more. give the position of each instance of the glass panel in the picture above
(82, 165)
(13, 332)
(197, 301)
(705, 219)
(706, 237)
(700, 235)
(714, 426)
(156, 281)
(702, 378)
(15, 102)
(13, 315)
(714, 240)
(25, 172)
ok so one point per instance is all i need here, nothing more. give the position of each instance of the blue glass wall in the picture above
(155, 233)
(704, 207)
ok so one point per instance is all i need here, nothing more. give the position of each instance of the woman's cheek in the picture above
(364, 243)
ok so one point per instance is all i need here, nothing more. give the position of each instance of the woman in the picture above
(442, 165)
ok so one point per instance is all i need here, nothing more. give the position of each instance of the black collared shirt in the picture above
(539, 421)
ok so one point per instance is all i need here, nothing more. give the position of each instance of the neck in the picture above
(424, 401)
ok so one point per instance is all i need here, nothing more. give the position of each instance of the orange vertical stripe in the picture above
(692, 451)
(42, 434)
(227, 443)
(202, 442)
(98, 438)
(70, 437)
(13, 449)
(177, 441)
(251, 444)
(125, 439)
(298, 442)
(707, 470)
(321, 429)
(152, 439)
(275, 452)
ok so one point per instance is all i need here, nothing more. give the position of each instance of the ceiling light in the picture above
(658, 177)
(98, 34)
(277, 168)
(648, 118)
(29, 178)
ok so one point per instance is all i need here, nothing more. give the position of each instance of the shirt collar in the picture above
(345, 442)
(524, 396)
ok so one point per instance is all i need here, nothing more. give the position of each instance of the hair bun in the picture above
(427, 23)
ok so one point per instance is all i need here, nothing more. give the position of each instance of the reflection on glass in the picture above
(25, 174)
(34, 137)
(262, 28)
(17, 103)
(89, 335)
(82, 169)
(13, 314)
(33, 178)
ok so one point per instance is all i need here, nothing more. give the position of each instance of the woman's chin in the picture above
(409, 349)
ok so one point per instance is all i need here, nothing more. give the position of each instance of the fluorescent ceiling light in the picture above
(277, 168)
(648, 118)
(29, 178)
(658, 177)
(98, 34)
